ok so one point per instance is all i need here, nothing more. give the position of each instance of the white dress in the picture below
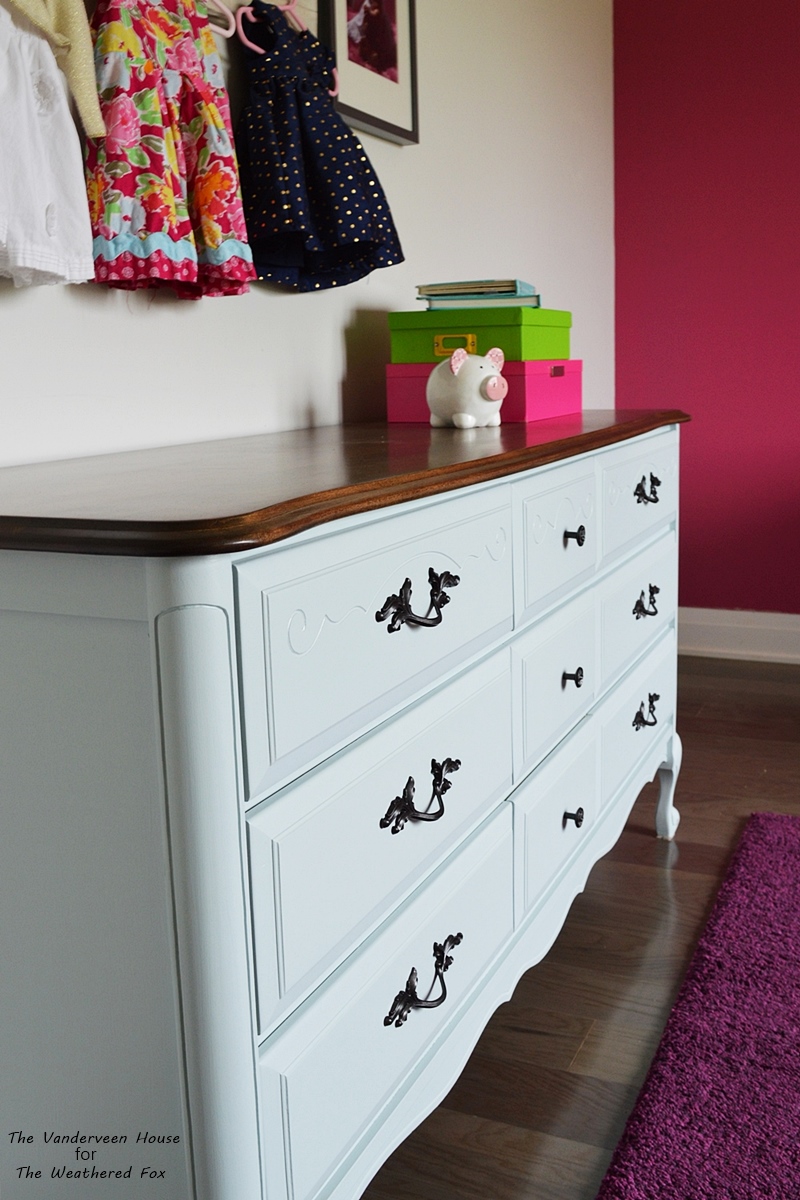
(45, 231)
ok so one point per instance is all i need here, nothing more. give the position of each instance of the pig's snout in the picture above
(495, 388)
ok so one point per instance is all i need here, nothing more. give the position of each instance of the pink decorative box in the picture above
(537, 389)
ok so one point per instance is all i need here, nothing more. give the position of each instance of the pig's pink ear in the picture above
(457, 360)
(497, 357)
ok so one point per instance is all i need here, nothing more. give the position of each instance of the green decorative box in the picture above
(522, 333)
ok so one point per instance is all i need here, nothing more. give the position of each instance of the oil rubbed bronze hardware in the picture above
(579, 535)
(577, 817)
(641, 493)
(399, 605)
(640, 720)
(640, 609)
(577, 678)
(407, 999)
(402, 807)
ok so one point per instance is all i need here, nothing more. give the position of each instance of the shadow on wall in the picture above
(367, 351)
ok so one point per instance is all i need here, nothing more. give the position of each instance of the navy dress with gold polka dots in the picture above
(316, 214)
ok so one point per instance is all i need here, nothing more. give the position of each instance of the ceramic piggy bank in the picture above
(467, 389)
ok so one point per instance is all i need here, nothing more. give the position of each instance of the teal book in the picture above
(473, 301)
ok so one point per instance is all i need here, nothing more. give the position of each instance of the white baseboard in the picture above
(724, 633)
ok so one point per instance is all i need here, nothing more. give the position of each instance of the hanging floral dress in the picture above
(164, 195)
(316, 213)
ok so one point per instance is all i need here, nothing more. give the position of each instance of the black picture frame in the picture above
(380, 98)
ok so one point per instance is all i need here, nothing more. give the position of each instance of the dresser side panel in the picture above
(89, 1038)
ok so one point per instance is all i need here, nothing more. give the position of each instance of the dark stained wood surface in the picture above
(233, 495)
(543, 1100)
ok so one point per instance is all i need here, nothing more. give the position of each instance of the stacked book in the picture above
(476, 315)
(479, 293)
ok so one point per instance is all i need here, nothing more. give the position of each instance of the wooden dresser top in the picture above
(233, 495)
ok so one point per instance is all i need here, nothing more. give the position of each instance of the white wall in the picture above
(513, 176)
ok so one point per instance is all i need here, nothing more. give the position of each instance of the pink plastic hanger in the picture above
(289, 10)
(230, 20)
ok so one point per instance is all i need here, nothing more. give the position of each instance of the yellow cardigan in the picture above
(66, 26)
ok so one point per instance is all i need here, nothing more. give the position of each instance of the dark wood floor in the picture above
(543, 1099)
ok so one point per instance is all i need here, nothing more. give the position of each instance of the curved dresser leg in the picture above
(667, 816)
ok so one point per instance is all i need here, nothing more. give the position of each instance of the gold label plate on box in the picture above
(445, 343)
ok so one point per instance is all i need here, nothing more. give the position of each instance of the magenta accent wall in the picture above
(707, 146)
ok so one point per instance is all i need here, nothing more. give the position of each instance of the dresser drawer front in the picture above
(637, 603)
(555, 513)
(554, 811)
(547, 701)
(638, 713)
(324, 871)
(331, 1070)
(318, 666)
(639, 490)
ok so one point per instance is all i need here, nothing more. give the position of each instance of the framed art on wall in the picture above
(375, 46)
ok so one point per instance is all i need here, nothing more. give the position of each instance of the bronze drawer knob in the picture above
(578, 534)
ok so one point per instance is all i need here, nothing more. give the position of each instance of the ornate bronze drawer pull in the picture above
(640, 720)
(407, 999)
(577, 678)
(641, 493)
(578, 534)
(402, 807)
(640, 609)
(577, 817)
(399, 605)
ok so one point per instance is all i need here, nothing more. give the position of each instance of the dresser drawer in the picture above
(555, 516)
(637, 603)
(318, 665)
(325, 864)
(637, 714)
(639, 490)
(554, 811)
(336, 1066)
(554, 676)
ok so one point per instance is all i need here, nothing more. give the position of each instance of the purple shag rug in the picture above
(718, 1115)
